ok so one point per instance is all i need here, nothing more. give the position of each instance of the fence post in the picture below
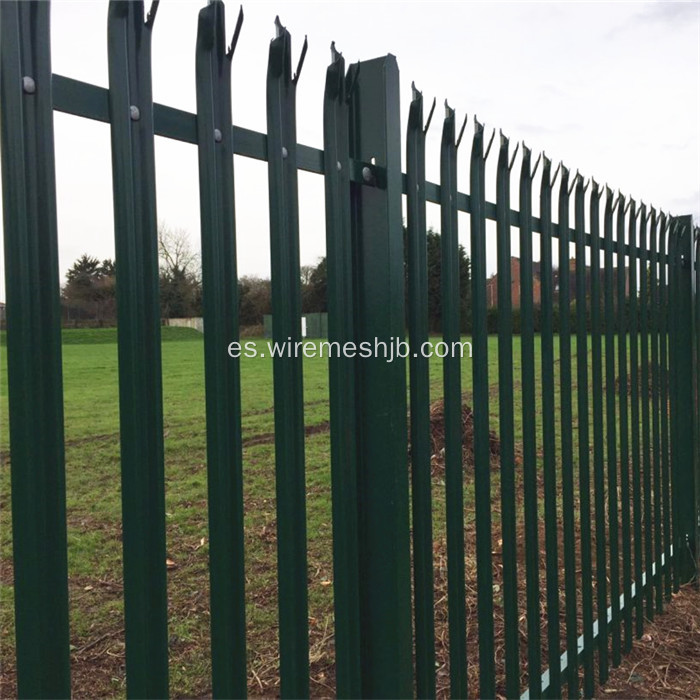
(34, 352)
(377, 232)
(685, 466)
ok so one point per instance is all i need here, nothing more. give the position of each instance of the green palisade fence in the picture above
(607, 368)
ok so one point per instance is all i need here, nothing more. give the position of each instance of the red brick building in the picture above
(492, 285)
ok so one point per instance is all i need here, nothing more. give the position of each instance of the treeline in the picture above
(89, 294)
(255, 294)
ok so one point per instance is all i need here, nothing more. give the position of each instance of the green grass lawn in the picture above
(94, 510)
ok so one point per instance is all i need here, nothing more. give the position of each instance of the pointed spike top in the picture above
(415, 93)
(504, 139)
(461, 131)
(335, 54)
(478, 126)
(488, 148)
(236, 34)
(304, 49)
(448, 109)
(430, 116)
(515, 153)
(556, 174)
(279, 27)
(151, 16)
(537, 165)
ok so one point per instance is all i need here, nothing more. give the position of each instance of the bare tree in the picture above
(180, 274)
(175, 252)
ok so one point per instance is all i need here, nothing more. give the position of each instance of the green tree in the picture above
(90, 288)
(434, 259)
(254, 299)
(314, 287)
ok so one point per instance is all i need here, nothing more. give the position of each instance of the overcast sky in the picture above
(610, 88)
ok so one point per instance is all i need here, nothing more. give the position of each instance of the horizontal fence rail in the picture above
(569, 507)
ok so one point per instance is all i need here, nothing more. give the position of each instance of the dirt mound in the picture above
(437, 432)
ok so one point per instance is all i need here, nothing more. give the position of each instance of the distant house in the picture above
(492, 283)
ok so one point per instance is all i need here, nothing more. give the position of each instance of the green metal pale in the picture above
(35, 381)
(482, 444)
(566, 425)
(622, 329)
(140, 383)
(611, 454)
(419, 372)
(584, 435)
(221, 372)
(342, 381)
(635, 419)
(287, 370)
(452, 392)
(645, 389)
(529, 423)
(601, 585)
(506, 420)
(548, 432)
(644, 305)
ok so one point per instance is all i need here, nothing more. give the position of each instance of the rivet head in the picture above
(218, 136)
(339, 166)
(28, 85)
(367, 174)
(134, 113)
(285, 152)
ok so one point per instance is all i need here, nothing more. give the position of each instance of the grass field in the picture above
(94, 512)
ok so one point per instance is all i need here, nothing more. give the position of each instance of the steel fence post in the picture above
(684, 464)
(377, 231)
(34, 377)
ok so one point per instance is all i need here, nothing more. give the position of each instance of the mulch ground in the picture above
(665, 662)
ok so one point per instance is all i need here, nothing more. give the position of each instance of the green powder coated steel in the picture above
(640, 454)
(655, 409)
(287, 370)
(610, 323)
(551, 537)
(452, 388)
(601, 546)
(645, 391)
(567, 457)
(623, 393)
(506, 422)
(377, 230)
(419, 366)
(584, 437)
(635, 423)
(140, 382)
(35, 383)
(529, 422)
(664, 227)
(482, 444)
(222, 373)
(342, 382)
